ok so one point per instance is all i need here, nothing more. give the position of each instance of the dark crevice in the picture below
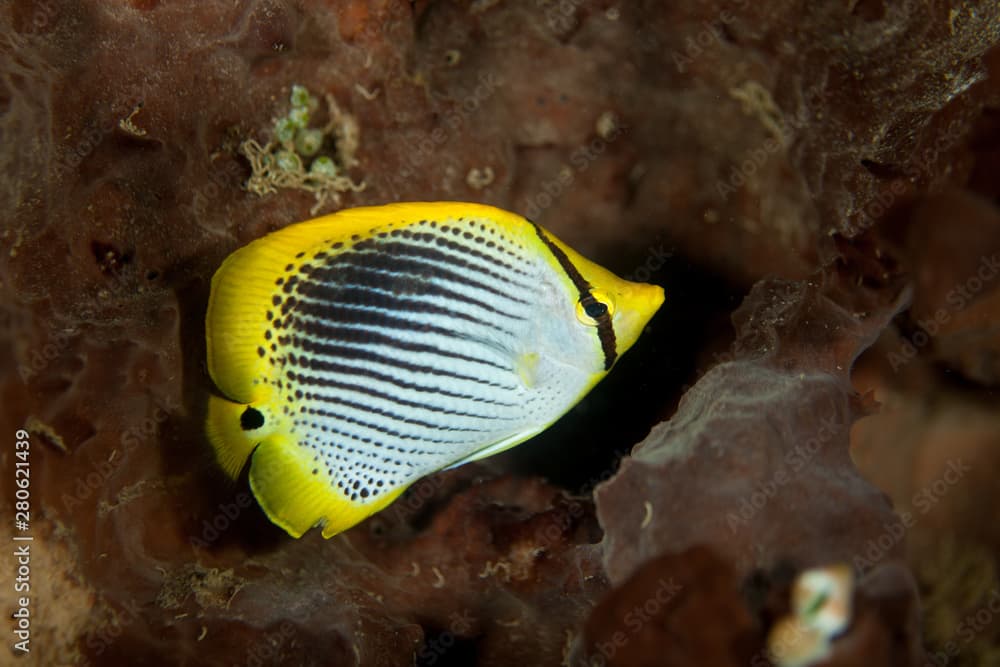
(585, 446)
(882, 171)
(442, 648)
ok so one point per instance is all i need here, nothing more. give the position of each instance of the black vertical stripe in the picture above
(605, 330)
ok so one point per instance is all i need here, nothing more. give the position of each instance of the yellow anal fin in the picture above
(296, 499)
(497, 447)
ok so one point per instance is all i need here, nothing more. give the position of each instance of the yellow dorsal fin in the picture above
(241, 296)
(243, 287)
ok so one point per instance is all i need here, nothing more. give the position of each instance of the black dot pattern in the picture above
(394, 354)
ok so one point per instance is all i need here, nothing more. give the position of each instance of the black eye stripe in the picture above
(605, 331)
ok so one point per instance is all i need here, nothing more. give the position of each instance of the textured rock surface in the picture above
(933, 448)
(693, 603)
(700, 145)
(762, 442)
(953, 242)
(689, 601)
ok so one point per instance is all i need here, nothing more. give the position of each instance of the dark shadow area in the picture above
(222, 511)
(584, 447)
(443, 649)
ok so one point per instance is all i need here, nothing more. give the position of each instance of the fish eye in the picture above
(593, 307)
(596, 309)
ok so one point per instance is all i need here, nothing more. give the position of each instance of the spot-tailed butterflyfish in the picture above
(363, 350)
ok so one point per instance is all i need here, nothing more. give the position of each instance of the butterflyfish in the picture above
(360, 351)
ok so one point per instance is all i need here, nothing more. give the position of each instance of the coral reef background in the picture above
(815, 184)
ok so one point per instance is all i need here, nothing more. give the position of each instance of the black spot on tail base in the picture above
(251, 419)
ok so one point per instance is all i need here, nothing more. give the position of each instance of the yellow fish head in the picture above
(635, 305)
(631, 305)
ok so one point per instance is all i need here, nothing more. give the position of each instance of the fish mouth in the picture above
(638, 303)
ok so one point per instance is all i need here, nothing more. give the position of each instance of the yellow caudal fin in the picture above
(296, 498)
(232, 443)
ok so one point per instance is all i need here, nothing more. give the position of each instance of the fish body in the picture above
(362, 350)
